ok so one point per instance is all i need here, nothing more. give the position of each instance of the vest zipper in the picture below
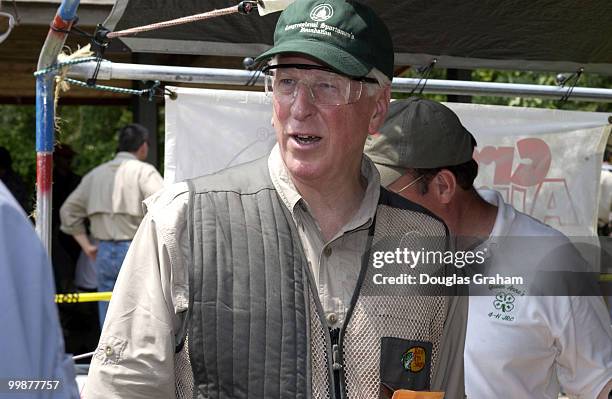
(334, 335)
(337, 335)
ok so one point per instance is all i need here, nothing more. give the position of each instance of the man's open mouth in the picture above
(305, 139)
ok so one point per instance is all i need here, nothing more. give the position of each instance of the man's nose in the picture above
(303, 101)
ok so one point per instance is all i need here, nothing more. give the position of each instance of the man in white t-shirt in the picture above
(517, 346)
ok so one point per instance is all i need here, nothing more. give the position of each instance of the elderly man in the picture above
(516, 346)
(252, 282)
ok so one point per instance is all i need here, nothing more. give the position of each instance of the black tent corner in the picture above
(513, 34)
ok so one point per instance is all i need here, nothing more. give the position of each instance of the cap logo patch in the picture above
(321, 12)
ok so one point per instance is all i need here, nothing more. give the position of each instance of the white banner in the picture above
(209, 130)
(545, 162)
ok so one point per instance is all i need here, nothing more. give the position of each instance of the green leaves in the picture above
(90, 130)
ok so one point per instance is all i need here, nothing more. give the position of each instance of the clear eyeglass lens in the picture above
(325, 88)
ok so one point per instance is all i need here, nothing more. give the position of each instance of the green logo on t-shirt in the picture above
(504, 302)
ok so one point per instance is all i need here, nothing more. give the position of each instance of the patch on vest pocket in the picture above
(405, 364)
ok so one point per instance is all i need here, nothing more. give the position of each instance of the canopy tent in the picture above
(543, 35)
(466, 35)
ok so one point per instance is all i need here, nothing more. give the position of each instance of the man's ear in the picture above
(380, 110)
(142, 151)
(444, 186)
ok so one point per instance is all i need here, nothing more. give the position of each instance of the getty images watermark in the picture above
(406, 265)
(422, 257)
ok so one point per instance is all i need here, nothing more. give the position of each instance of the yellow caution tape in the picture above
(75, 297)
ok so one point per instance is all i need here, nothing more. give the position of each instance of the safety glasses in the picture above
(324, 86)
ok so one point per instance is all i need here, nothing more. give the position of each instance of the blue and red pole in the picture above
(45, 113)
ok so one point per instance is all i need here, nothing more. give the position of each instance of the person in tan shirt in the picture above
(110, 196)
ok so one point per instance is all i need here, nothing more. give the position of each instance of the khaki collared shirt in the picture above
(135, 355)
(335, 264)
(111, 197)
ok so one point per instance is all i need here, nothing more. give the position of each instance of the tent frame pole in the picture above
(174, 74)
(45, 117)
(45, 110)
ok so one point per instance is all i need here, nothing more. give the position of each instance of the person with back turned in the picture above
(110, 196)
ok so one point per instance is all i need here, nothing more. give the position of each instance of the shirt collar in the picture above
(291, 197)
(368, 206)
(122, 155)
(503, 221)
(281, 180)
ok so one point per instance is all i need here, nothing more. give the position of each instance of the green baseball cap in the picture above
(418, 134)
(347, 36)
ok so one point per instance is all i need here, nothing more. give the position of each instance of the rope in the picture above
(55, 67)
(424, 74)
(173, 22)
(76, 297)
(52, 68)
(573, 80)
(150, 91)
(83, 356)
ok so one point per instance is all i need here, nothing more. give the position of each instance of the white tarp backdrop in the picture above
(544, 162)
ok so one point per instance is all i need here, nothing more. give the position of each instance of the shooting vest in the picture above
(256, 327)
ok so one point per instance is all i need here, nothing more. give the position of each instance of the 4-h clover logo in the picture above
(504, 302)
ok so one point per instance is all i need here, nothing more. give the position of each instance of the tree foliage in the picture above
(540, 78)
(92, 133)
(89, 130)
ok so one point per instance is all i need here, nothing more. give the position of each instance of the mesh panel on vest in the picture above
(406, 316)
(422, 319)
(183, 376)
(318, 354)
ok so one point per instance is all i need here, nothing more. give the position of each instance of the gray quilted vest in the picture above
(256, 327)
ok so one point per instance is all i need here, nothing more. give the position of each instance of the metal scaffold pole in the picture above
(109, 70)
(45, 115)
(173, 74)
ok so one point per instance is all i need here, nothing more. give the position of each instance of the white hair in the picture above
(382, 79)
(371, 88)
